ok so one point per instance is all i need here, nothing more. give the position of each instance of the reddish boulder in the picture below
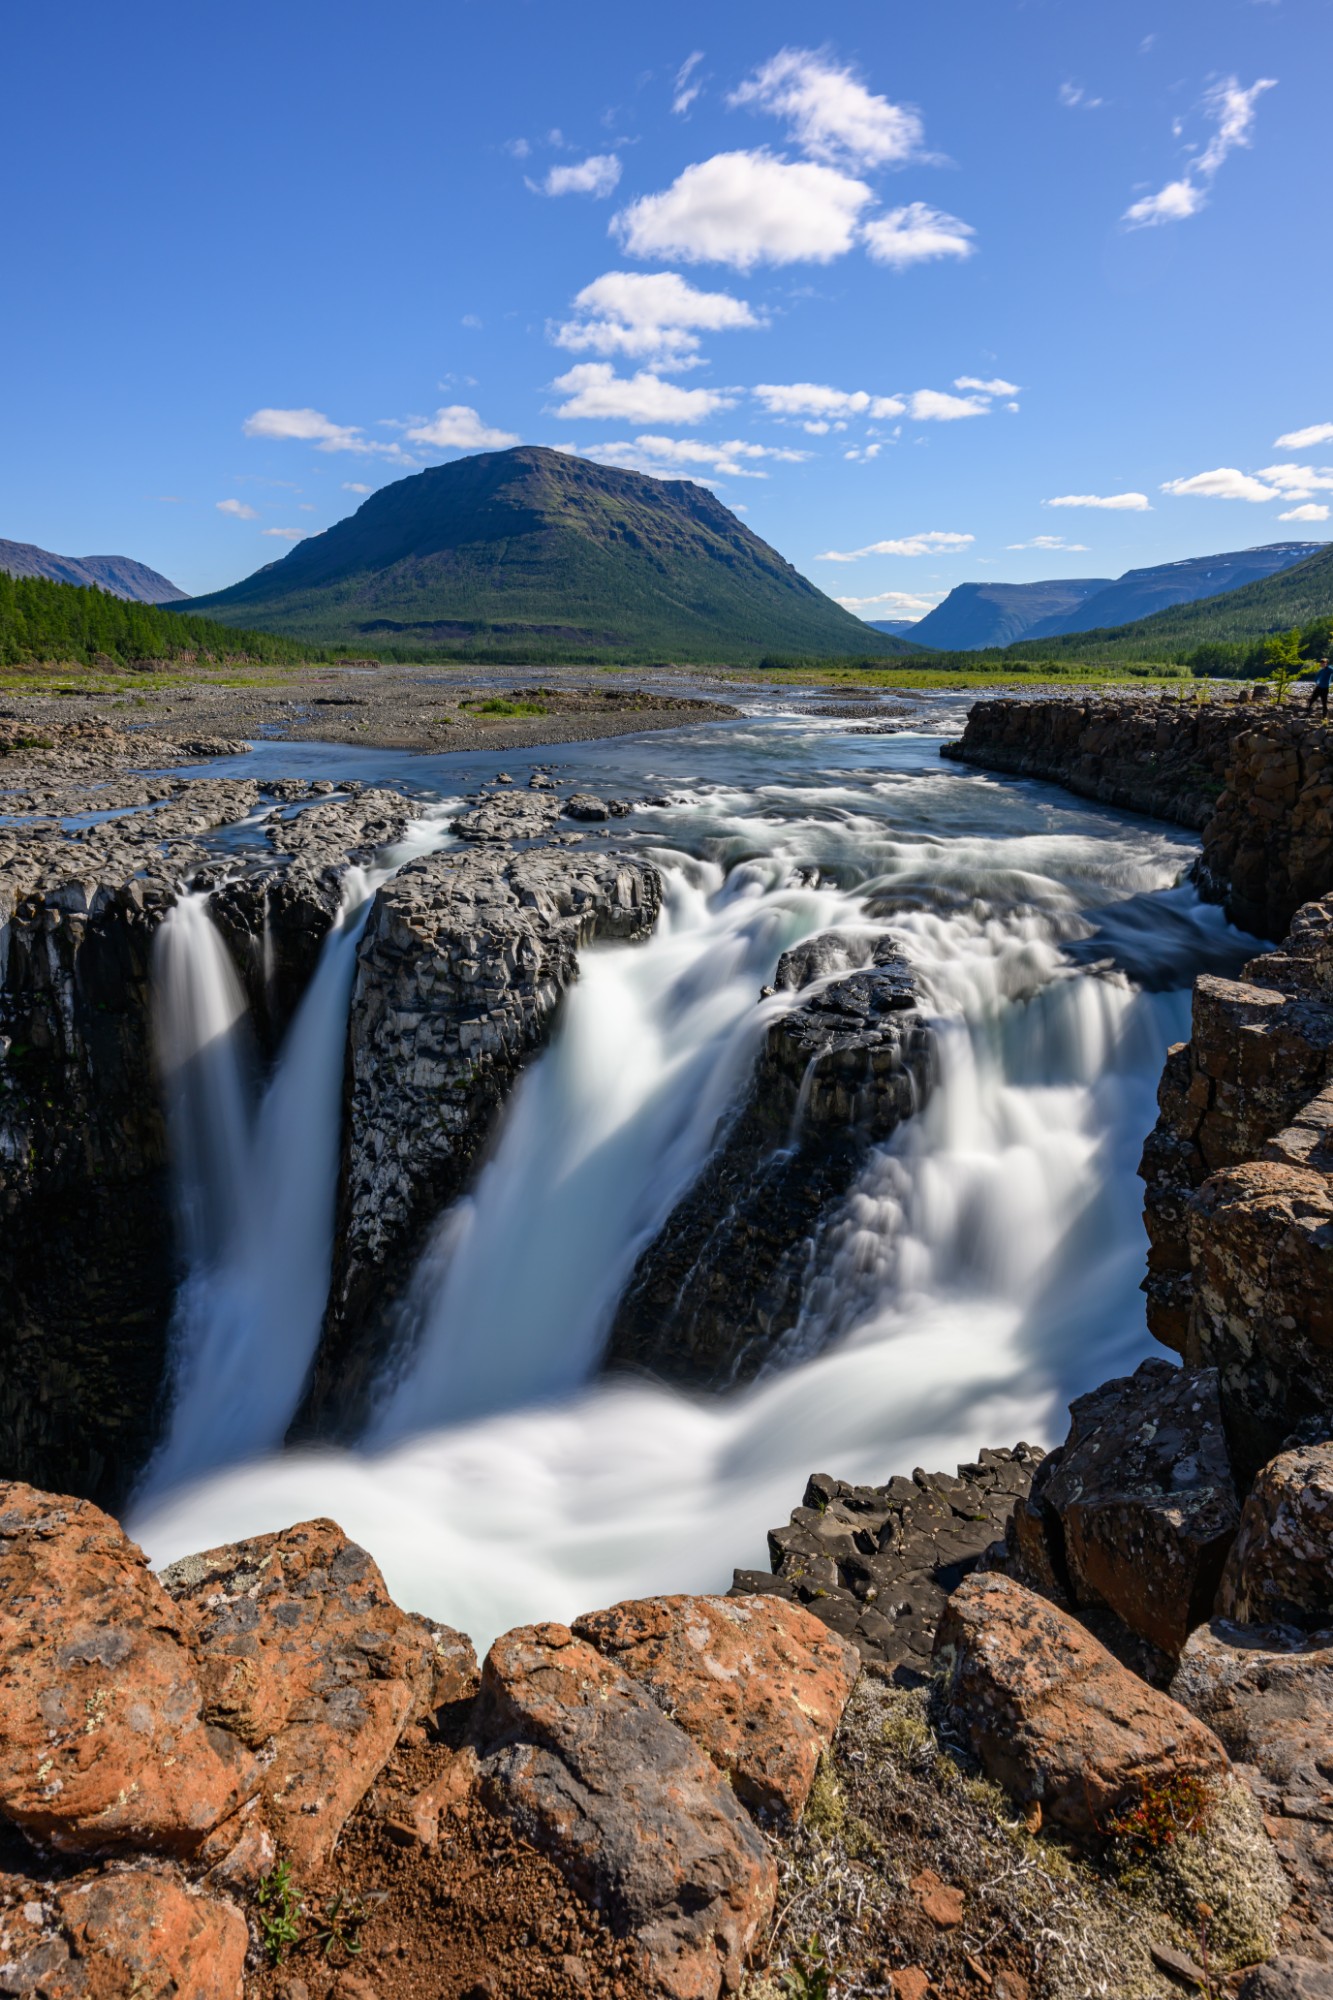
(640, 1823)
(1054, 1718)
(301, 1649)
(103, 1745)
(758, 1683)
(1138, 1506)
(1281, 1568)
(122, 1936)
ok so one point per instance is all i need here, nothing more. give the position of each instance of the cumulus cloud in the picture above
(862, 455)
(285, 534)
(1310, 512)
(1232, 111)
(817, 399)
(1225, 482)
(459, 428)
(893, 603)
(1302, 440)
(597, 176)
(916, 234)
(656, 315)
(745, 209)
(237, 509)
(355, 486)
(1297, 482)
(313, 427)
(594, 390)
(935, 542)
(1051, 542)
(1115, 503)
(996, 387)
(660, 455)
(830, 113)
(687, 85)
(937, 406)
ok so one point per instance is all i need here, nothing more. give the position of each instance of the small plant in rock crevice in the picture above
(810, 1975)
(279, 1907)
(1164, 1812)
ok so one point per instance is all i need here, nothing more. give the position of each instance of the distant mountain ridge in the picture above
(974, 615)
(532, 554)
(977, 615)
(122, 576)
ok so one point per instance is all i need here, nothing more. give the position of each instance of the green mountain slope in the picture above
(533, 554)
(1296, 596)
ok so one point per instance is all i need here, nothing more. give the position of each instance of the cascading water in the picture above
(984, 1268)
(256, 1183)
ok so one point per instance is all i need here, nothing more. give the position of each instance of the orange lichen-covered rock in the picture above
(103, 1743)
(1280, 1570)
(640, 1823)
(1054, 1717)
(122, 1936)
(302, 1650)
(758, 1683)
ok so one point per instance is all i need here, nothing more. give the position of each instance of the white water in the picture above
(256, 1181)
(985, 1268)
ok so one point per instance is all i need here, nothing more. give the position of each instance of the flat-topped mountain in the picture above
(121, 576)
(533, 553)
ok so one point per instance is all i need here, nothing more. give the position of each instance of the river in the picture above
(984, 1269)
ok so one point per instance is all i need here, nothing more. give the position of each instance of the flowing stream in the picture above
(984, 1268)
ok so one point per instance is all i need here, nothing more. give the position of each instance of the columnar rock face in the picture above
(1239, 1202)
(1054, 1718)
(1254, 778)
(1144, 753)
(877, 1563)
(1137, 1510)
(463, 962)
(712, 1297)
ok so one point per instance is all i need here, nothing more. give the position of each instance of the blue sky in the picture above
(895, 279)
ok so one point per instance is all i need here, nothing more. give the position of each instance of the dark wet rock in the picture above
(1280, 1569)
(878, 1562)
(711, 1299)
(461, 969)
(1137, 1509)
(584, 805)
(1289, 1976)
(274, 922)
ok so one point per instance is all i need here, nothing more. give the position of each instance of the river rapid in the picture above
(984, 1269)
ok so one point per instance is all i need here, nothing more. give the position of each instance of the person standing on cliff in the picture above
(1319, 692)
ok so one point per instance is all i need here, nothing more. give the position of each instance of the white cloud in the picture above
(1302, 440)
(745, 209)
(935, 542)
(595, 390)
(237, 509)
(830, 113)
(355, 486)
(517, 149)
(1072, 94)
(285, 534)
(997, 387)
(596, 176)
(651, 453)
(817, 399)
(936, 406)
(863, 456)
(1223, 483)
(894, 603)
(471, 320)
(1233, 113)
(916, 234)
(1051, 542)
(459, 428)
(658, 314)
(686, 89)
(1297, 482)
(1309, 512)
(1115, 503)
(313, 427)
